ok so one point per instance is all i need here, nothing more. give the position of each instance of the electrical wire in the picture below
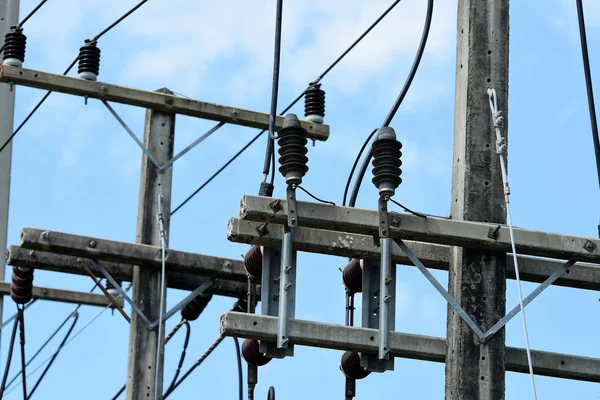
(31, 13)
(193, 367)
(183, 353)
(270, 151)
(62, 343)
(362, 149)
(292, 104)
(238, 355)
(15, 314)
(11, 347)
(22, 345)
(98, 36)
(589, 87)
(399, 100)
(315, 197)
(163, 289)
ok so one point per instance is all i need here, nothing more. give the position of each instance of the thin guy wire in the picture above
(162, 292)
(293, 103)
(399, 100)
(98, 36)
(70, 340)
(22, 343)
(15, 314)
(31, 13)
(501, 150)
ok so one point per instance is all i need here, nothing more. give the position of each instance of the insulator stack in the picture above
(252, 354)
(350, 366)
(14, 47)
(253, 262)
(241, 305)
(192, 310)
(386, 162)
(292, 150)
(314, 103)
(21, 287)
(89, 61)
(110, 288)
(352, 276)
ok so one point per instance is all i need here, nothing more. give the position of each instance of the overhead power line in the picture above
(31, 13)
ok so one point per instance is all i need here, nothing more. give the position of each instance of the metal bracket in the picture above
(270, 297)
(384, 220)
(292, 206)
(371, 311)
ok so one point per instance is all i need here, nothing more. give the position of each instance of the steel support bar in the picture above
(20, 257)
(403, 345)
(581, 276)
(64, 296)
(476, 235)
(151, 100)
(132, 253)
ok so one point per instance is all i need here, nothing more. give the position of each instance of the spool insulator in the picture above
(352, 276)
(14, 47)
(314, 103)
(89, 61)
(21, 287)
(386, 162)
(252, 354)
(253, 262)
(350, 366)
(110, 288)
(241, 305)
(292, 150)
(192, 310)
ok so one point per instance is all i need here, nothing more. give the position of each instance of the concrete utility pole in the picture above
(141, 369)
(477, 279)
(9, 15)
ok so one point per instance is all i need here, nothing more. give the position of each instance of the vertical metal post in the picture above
(477, 279)
(143, 343)
(9, 15)
(385, 280)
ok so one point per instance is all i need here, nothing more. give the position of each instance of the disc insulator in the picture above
(14, 47)
(386, 162)
(252, 354)
(21, 287)
(350, 366)
(253, 262)
(314, 103)
(89, 61)
(292, 150)
(352, 276)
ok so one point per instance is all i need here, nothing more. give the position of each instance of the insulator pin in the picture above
(350, 366)
(252, 354)
(192, 310)
(21, 287)
(314, 103)
(14, 47)
(292, 150)
(253, 262)
(89, 61)
(386, 162)
(352, 276)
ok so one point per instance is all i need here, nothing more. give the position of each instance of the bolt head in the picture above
(92, 244)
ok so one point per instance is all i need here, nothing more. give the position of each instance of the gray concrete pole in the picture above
(477, 279)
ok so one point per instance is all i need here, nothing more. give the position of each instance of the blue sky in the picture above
(75, 169)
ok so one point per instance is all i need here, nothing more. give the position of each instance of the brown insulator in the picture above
(352, 276)
(252, 354)
(253, 262)
(192, 310)
(241, 305)
(21, 287)
(350, 366)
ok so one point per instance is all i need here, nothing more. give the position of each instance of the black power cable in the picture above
(98, 36)
(398, 102)
(293, 103)
(589, 87)
(362, 149)
(22, 343)
(31, 13)
(11, 347)
(182, 356)
(270, 151)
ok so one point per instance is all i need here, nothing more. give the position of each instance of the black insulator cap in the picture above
(271, 394)
(14, 45)
(252, 354)
(314, 103)
(352, 276)
(253, 262)
(192, 310)
(386, 161)
(266, 189)
(89, 58)
(241, 305)
(350, 366)
(21, 287)
(292, 150)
